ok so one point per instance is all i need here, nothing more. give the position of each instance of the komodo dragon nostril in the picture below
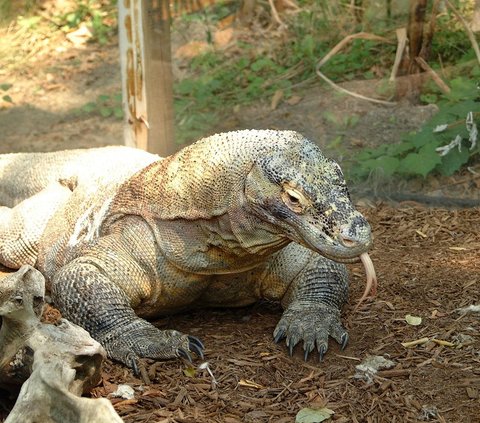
(346, 239)
(347, 242)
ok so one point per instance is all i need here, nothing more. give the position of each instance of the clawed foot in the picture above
(312, 323)
(143, 340)
(194, 345)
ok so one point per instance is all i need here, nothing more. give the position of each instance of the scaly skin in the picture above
(233, 218)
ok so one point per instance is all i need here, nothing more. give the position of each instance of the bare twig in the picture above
(346, 40)
(351, 93)
(335, 50)
(275, 15)
(424, 65)
(470, 34)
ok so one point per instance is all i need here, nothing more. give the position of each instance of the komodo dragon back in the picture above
(229, 220)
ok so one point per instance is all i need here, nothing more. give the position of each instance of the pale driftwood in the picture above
(402, 42)
(55, 363)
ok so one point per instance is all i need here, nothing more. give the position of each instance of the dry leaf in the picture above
(276, 99)
(413, 320)
(410, 344)
(312, 415)
(80, 36)
(444, 343)
(223, 37)
(191, 50)
(190, 371)
(294, 99)
(249, 384)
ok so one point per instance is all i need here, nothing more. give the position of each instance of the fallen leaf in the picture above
(190, 371)
(420, 341)
(294, 99)
(223, 37)
(413, 320)
(249, 384)
(443, 342)
(276, 99)
(80, 36)
(312, 415)
(191, 50)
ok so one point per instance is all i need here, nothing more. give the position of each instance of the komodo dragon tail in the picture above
(23, 175)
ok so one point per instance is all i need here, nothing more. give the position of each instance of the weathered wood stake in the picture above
(147, 82)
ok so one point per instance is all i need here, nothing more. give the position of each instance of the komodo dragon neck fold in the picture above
(195, 204)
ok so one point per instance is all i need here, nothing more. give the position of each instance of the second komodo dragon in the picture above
(123, 236)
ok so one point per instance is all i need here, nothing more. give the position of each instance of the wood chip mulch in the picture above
(428, 265)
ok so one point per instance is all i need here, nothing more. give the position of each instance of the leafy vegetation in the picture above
(266, 61)
(104, 106)
(4, 87)
(100, 16)
(424, 152)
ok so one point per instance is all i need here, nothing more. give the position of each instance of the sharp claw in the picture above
(344, 341)
(305, 355)
(193, 340)
(131, 362)
(290, 349)
(184, 354)
(279, 336)
(321, 351)
(196, 349)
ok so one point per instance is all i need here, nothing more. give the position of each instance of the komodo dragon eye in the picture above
(294, 199)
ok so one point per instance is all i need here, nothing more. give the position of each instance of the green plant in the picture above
(100, 16)
(104, 106)
(444, 144)
(5, 97)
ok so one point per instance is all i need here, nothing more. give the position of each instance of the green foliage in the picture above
(418, 153)
(99, 16)
(220, 81)
(105, 106)
(357, 60)
(5, 86)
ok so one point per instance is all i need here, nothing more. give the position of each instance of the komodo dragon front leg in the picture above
(111, 282)
(312, 290)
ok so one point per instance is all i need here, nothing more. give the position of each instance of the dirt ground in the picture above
(427, 262)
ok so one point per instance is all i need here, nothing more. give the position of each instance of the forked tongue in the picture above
(371, 286)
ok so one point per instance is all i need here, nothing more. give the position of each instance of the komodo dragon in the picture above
(122, 235)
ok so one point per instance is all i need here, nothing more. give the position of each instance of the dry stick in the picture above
(470, 34)
(275, 15)
(291, 4)
(346, 40)
(351, 93)
(335, 50)
(424, 65)
(402, 42)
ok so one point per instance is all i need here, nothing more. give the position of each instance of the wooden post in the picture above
(147, 82)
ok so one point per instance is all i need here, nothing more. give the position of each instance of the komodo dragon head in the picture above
(296, 188)
(304, 193)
